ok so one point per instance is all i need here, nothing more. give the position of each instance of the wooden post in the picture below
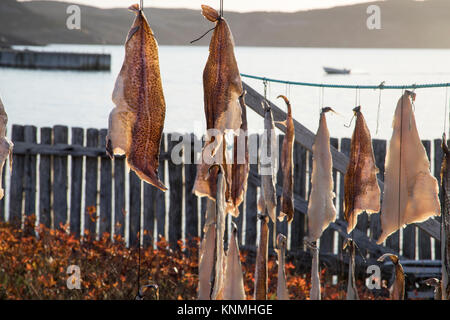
(149, 214)
(424, 239)
(298, 227)
(327, 238)
(345, 149)
(135, 209)
(45, 181)
(176, 192)
(379, 150)
(161, 197)
(191, 206)
(119, 197)
(251, 200)
(60, 178)
(76, 184)
(30, 173)
(17, 179)
(90, 198)
(105, 188)
(438, 155)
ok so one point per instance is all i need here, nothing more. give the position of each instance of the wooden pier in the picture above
(28, 59)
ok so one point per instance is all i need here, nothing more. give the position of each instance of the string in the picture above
(445, 110)
(142, 5)
(379, 107)
(400, 164)
(221, 8)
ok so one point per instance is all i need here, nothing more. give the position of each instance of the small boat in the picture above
(336, 71)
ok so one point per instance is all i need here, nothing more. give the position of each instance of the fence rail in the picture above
(63, 176)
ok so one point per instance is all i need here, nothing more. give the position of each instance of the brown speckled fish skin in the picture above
(6, 146)
(222, 88)
(362, 192)
(287, 165)
(445, 222)
(261, 260)
(136, 123)
(397, 290)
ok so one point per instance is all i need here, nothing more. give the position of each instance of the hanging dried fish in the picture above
(268, 163)
(261, 259)
(321, 210)
(287, 165)
(314, 293)
(352, 291)
(206, 256)
(222, 88)
(410, 191)
(437, 285)
(282, 291)
(240, 167)
(233, 280)
(137, 121)
(6, 146)
(397, 290)
(362, 192)
(445, 222)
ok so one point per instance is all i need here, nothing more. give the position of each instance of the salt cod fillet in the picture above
(233, 280)
(206, 253)
(314, 293)
(222, 88)
(268, 163)
(6, 146)
(287, 165)
(321, 210)
(362, 192)
(261, 271)
(136, 123)
(219, 254)
(352, 291)
(282, 291)
(410, 191)
(445, 222)
(397, 290)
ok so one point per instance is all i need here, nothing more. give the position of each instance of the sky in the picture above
(230, 5)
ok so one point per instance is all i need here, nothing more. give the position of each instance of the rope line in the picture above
(349, 86)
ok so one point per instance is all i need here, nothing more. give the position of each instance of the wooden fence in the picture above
(64, 177)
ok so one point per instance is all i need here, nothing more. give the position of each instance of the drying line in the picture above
(349, 86)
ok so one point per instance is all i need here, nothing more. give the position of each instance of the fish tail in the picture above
(149, 176)
(210, 13)
(134, 8)
(286, 100)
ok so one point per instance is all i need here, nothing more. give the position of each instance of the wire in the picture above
(221, 8)
(350, 86)
(142, 5)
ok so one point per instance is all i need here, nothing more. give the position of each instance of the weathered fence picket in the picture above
(41, 171)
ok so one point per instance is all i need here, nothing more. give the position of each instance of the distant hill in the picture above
(405, 24)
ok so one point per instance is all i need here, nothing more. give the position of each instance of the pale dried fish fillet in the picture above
(282, 291)
(6, 146)
(233, 280)
(321, 210)
(410, 191)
